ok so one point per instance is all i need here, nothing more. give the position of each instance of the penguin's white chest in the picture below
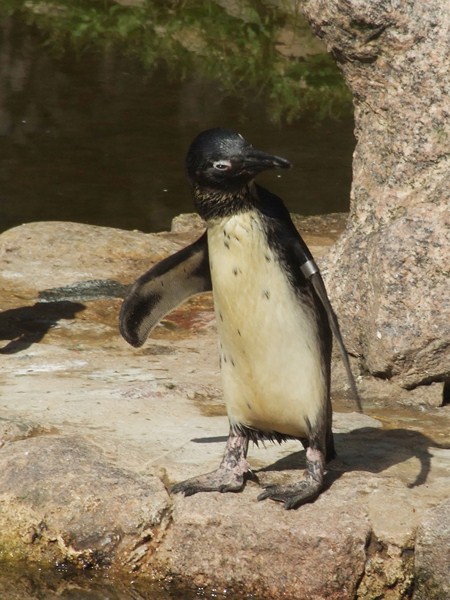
(270, 348)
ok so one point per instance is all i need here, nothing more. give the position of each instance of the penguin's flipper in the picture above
(319, 286)
(311, 272)
(164, 287)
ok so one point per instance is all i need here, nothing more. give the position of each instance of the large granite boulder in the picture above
(388, 275)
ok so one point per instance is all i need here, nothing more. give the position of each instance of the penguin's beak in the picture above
(256, 161)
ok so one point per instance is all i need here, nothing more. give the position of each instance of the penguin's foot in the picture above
(294, 495)
(220, 480)
(229, 477)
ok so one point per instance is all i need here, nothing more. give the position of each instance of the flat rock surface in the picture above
(93, 432)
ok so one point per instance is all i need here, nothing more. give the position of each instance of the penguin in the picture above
(274, 318)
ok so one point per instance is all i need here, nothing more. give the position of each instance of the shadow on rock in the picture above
(91, 289)
(28, 325)
(371, 450)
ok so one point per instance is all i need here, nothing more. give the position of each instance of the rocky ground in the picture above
(92, 432)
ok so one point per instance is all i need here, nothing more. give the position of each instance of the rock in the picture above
(403, 332)
(187, 223)
(93, 431)
(13, 429)
(63, 503)
(432, 555)
(387, 391)
(44, 255)
(216, 539)
(388, 275)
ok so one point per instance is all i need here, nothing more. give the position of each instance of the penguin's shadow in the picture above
(21, 327)
(371, 450)
(368, 449)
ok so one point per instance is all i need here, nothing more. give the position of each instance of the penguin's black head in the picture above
(221, 159)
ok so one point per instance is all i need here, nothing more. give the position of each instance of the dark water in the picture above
(22, 583)
(95, 139)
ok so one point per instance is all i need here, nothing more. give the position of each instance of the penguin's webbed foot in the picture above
(229, 477)
(220, 480)
(292, 495)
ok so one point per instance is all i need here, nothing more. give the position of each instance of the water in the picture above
(95, 139)
(27, 583)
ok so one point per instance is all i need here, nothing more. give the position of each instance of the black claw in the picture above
(291, 503)
(188, 491)
(186, 488)
(217, 481)
(179, 488)
(272, 496)
(267, 493)
(252, 476)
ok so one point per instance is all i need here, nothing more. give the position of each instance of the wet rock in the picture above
(63, 503)
(388, 274)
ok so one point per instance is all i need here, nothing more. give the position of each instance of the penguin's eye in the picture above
(222, 165)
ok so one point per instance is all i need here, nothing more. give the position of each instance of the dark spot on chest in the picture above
(266, 294)
(226, 244)
(226, 359)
